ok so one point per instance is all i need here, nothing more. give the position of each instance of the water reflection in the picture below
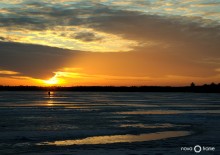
(119, 138)
(151, 126)
(191, 105)
(169, 112)
(50, 103)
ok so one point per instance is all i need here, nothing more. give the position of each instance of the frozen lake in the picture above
(108, 123)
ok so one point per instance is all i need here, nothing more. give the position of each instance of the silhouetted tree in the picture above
(212, 84)
(192, 84)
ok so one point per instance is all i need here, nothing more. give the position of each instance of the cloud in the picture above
(7, 72)
(63, 26)
(215, 4)
(87, 37)
(2, 38)
(131, 27)
(164, 32)
(32, 60)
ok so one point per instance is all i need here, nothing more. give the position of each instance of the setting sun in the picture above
(52, 81)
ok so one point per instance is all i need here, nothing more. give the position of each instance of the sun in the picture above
(52, 81)
(57, 79)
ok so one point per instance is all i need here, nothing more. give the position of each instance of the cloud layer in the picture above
(108, 22)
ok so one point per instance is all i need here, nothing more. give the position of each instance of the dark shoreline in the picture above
(212, 88)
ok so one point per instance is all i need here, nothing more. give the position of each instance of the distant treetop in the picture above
(192, 84)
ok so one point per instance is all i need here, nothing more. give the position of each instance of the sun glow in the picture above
(60, 78)
(52, 81)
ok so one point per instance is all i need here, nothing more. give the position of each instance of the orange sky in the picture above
(69, 43)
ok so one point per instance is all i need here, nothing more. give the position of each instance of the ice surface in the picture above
(31, 118)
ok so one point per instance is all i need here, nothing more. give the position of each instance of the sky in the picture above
(109, 42)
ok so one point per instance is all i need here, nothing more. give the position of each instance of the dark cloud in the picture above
(33, 60)
(87, 36)
(129, 23)
(133, 25)
(174, 31)
(187, 38)
(40, 15)
(2, 38)
(24, 21)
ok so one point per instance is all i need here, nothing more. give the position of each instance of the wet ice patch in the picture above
(169, 112)
(151, 126)
(22, 144)
(119, 138)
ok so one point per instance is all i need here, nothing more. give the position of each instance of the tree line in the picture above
(206, 88)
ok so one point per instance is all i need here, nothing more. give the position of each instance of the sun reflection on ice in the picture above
(50, 103)
(119, 138)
